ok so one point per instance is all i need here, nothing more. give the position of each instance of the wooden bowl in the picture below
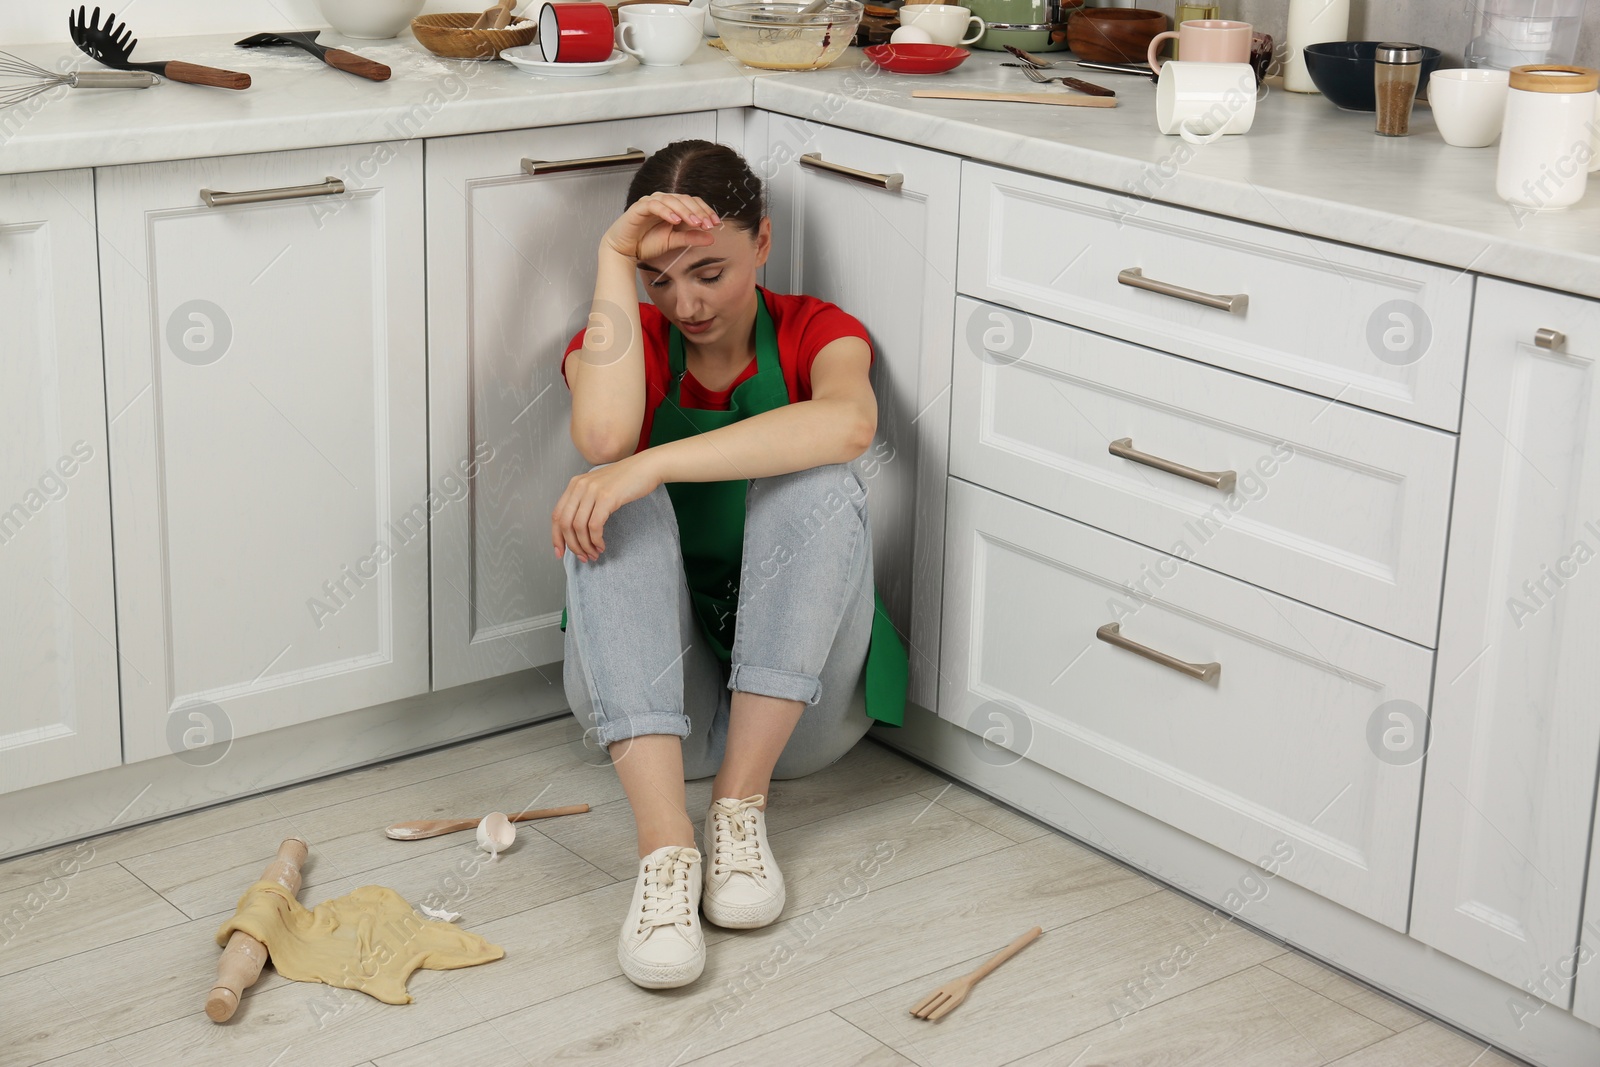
(1113, 34)
(449, 35)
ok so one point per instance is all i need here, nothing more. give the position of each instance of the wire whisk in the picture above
(36, 79)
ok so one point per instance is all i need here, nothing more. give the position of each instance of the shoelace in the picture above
(666, 891)
(737, 847)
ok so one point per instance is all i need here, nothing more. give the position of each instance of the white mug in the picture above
(660, 35)
(1469, 106)
(1204, 101)
(945, 23)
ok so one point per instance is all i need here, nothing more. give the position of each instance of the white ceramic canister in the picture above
(1549, 137)
(1312, 22)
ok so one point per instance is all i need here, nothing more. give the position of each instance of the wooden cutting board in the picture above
(1064, 98)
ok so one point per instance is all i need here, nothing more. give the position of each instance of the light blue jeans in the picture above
(637, 662)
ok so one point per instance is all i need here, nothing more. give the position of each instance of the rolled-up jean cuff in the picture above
(771, 682)
(620, 728)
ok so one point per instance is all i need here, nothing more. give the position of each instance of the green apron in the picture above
(711, 521)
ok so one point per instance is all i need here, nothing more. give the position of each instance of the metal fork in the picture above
(1033, 74)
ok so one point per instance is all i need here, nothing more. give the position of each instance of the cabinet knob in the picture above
(1550, 339)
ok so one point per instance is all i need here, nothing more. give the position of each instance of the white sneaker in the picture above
(662, 945)
(744, 887)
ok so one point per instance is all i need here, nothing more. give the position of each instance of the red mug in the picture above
(576, 33)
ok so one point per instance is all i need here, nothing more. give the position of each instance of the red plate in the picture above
(917, 58)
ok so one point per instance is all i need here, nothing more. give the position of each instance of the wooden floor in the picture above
(117, 947)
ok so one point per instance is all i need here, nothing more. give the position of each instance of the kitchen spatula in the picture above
(334, 57)
(111, 44)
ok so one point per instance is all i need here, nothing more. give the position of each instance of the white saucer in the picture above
(528, 57)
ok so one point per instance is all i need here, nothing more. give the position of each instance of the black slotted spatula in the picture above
(334, 57)
(111, 43)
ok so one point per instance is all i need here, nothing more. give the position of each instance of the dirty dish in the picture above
(776, 36)
(917, 58)
(450, 34)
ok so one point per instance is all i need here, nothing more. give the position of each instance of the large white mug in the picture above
(946, 23)
(1469, 105)
(1202, 101)
(660, 35)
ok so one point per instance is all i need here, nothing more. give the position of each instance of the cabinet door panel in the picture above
(887, 257)
(1366, 328)
(511, 279)
(58, 657)
(265, 369)
(1352, 520)
(1270, 759)
(1510, 781)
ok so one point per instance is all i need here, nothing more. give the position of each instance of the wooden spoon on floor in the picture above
(943, 1001)
(416, 831)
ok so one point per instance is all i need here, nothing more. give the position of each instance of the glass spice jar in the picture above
(1395, 73)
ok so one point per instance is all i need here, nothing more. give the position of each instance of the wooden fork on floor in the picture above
(943, 1001)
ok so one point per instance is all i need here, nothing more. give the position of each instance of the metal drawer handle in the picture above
(552, 166)
(1551, 339)
(1235, 304)
(1123, 448)
(1111, 634)
(891, 182)
(214, 198)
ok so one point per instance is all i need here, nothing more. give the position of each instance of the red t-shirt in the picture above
(804, 325)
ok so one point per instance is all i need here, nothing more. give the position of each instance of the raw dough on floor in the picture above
(369, 939)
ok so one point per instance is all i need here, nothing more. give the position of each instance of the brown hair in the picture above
(713, 172)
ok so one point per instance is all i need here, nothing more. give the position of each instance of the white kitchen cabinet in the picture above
(870, 224)
(58, 654)
(265, 370)
(1341, 508)
(1586, 989)
(1236, 715)
(1509, 790)
(510, 279)
(1363, 327)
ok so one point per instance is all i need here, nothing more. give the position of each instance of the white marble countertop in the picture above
(1305, 166)
(296, 102)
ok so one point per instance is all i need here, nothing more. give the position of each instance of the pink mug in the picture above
(1206, 41)
(576, 33)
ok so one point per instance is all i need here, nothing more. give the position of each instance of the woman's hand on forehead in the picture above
(660, 223)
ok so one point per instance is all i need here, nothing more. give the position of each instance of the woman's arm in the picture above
(606, 375)
(835, 426)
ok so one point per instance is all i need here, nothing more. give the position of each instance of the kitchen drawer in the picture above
(1342, 508)
(1285, 753)
(1370, 329)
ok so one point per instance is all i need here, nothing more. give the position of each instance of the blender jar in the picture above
(1513, 33)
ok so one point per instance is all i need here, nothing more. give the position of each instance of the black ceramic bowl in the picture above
(1342, 72)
